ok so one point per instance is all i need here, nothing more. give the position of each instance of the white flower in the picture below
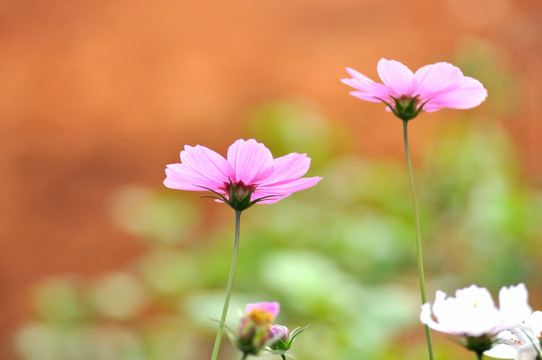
(472, 312)
(522, 342)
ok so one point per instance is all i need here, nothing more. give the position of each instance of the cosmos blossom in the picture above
(472, 312)
(247, 175)
(473, 316)
(255, 330)
(430, 88)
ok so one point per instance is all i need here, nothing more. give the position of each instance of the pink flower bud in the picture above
(280, 332)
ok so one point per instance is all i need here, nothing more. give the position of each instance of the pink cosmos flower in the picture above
(430, 88)
(248, 175)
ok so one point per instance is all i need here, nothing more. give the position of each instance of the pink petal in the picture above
(280, 190)
(437, 78)
(469, 94)
(207, 163)
(368, 89)
(199, 167)
(270, 200)
(272, 195)
(181, 177)
(397, 77)
(288, 187)
(368, 97)
(251, 161)
(430, 107)
(271, 307)
(291, 166)
(286, 180)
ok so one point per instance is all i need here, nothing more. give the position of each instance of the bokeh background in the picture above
(99, 261)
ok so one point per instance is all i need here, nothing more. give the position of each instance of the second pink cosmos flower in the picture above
(431, 87)
(249, 173)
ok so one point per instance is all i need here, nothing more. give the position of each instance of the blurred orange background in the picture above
(99, 94)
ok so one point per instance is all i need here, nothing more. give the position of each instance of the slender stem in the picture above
(418, 234)
(479, 355)
(228, 287)
(283, 356)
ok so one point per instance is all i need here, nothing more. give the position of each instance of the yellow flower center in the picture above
(260, 316)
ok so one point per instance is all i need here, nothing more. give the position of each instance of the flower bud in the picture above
(280, 339)
(280, 332)
(254, 332)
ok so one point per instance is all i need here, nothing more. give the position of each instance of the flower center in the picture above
(260, 316)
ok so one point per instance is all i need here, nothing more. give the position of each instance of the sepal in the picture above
(238, 196)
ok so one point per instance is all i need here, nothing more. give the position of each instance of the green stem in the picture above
(283, 356)
(418, 234)
(228, 287)
(479, 355)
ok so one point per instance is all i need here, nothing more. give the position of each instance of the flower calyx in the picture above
(238, 195)
(405, 107)
(479, 344)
